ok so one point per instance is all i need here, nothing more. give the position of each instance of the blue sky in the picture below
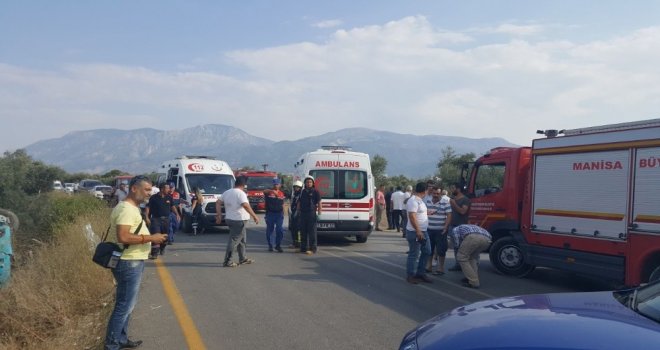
(291, 69)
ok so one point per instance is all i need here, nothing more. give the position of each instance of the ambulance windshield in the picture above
(210, 183)
(341, 184)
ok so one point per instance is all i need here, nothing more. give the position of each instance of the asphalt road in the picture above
(347, 296)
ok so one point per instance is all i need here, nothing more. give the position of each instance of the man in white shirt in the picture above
(121, 192)
(417, 237)
(397, 208)
(237, 213)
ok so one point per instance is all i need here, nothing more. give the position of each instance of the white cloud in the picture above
(520, 30)
(404, 76)
(331, 23)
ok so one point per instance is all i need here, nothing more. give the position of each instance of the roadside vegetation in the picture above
(57, 297)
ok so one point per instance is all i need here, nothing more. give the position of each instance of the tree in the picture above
(450, 165)
(378, 166)
(22, 181)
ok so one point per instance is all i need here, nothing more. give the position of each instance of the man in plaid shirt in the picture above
(470, 241)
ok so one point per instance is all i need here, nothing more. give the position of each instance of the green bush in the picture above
(60, 209)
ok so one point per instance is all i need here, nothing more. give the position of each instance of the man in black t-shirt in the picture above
(157, 213)
(309, 206)
(460, 207)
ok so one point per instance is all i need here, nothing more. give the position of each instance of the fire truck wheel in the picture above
(508, 258)
(361, 238)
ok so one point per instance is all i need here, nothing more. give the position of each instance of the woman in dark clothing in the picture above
(198, 220)
(309, 207)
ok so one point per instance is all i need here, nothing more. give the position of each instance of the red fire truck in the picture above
(586, 202)
(257, 182)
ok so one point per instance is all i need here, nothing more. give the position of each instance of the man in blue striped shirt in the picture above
(471, 241)
(439, 213)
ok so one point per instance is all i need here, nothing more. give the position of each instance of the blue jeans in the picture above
(128, 275)
(414, 249)
(174, 225)
(274, 221)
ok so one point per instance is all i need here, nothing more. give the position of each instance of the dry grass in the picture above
(58, 298)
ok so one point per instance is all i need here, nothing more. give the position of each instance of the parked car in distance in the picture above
(69, 187)
(626, 319)
(88, 185)
(57, 186)
(102, 192)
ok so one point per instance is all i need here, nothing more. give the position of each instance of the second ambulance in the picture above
(346, 185)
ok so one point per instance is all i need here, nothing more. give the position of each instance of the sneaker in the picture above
(309, 252)
(131, 344)
(468, 285)
(464, 280)
(279, 249)
(230, 264)
(246, 261)
(424, 278)
(412, 280)
(270, 249)
(152, 256)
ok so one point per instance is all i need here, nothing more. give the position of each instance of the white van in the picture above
(344, 179)
(211, 176)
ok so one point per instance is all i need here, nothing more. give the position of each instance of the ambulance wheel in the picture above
(508, 258)
(187, 223)
(361, 238)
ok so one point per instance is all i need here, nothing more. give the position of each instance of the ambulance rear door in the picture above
(325, 181)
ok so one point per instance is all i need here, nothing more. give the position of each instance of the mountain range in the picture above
(142, 150)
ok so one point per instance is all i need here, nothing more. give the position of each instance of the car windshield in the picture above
(103, 188)
(91, 184)
(210, 183)
(259, 183)
(647, 301)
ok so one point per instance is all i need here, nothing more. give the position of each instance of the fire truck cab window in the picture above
(489, 179)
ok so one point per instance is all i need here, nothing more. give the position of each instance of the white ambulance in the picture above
(344, 179)
(211, 176)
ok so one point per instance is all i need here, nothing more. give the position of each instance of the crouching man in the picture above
(470, 241)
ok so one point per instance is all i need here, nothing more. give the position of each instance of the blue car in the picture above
(627, 319)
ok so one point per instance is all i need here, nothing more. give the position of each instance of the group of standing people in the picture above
(303, 213)
(434, 222)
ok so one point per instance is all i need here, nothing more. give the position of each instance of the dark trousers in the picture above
(308, 229)
(404, 221)
(390, 221)
(396, 219)
(433, 239)
(199, 219)
(294, 228)
(159, 224)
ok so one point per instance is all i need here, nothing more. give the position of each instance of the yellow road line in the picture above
(190, 332)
